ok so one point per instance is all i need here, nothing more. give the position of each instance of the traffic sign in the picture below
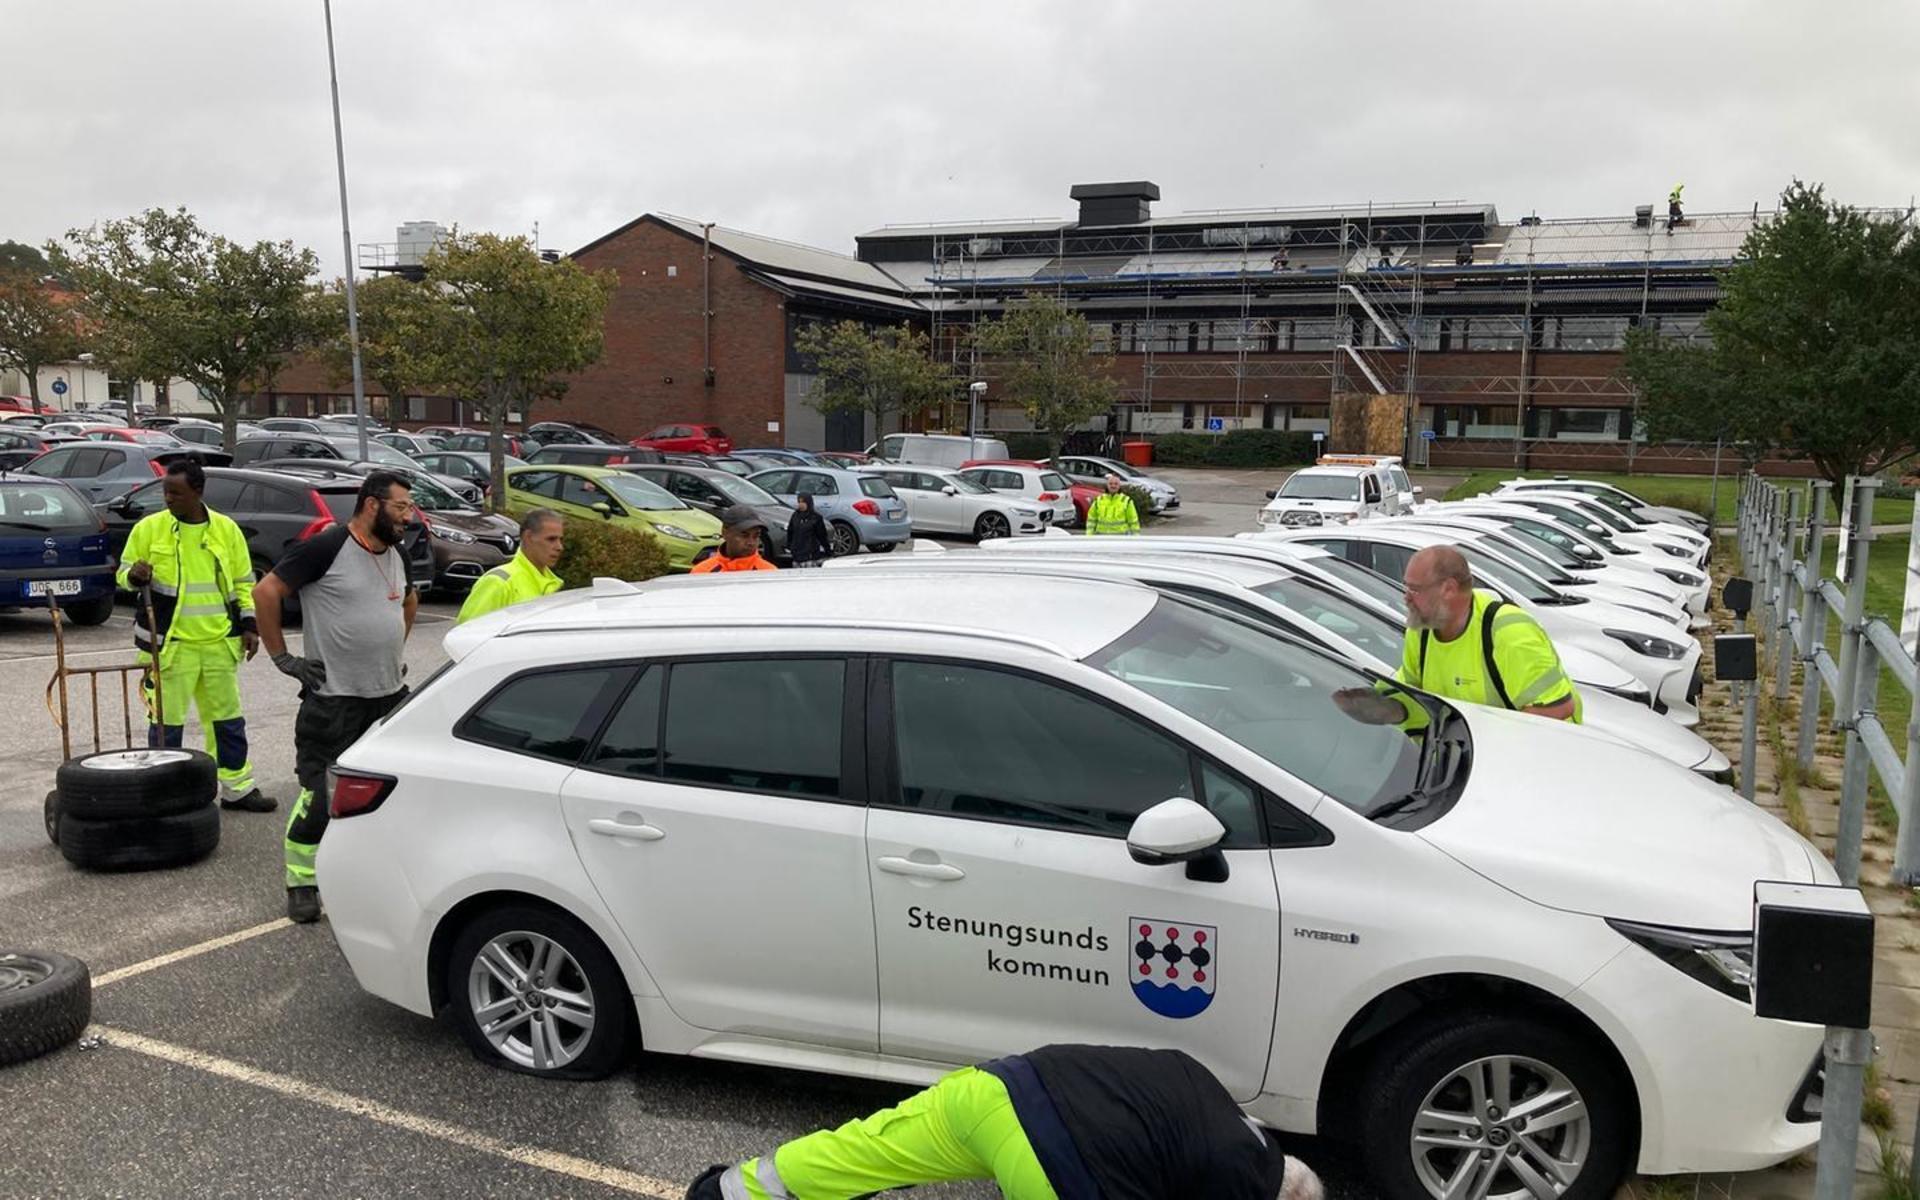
(1216, 424)
(59, 387)
(1427, 435)
(1318, 436)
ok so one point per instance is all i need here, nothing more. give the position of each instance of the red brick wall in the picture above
(650, 371)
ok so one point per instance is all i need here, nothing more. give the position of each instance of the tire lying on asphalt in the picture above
(136, 783)
(139, 843)
(46, 999)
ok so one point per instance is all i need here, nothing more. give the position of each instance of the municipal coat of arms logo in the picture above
(1173, 965)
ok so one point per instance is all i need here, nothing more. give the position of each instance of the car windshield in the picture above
(153, 437)
(377, 452)
(1519, 582)
(741, 491)
(1369, 583)
(1598, 512)
(1302, 486)
(430, 496)
(1523, 554)
(43, 508)
(1270, 695)
(873, 485)
(1549, 543)
(733, 466)
(638, 493)
(1339, 616)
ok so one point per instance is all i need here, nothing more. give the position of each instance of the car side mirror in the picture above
(950, 490)
(1173, 831)
(604, 509)
(1273, 493)
(1418, 490)
(121, 505)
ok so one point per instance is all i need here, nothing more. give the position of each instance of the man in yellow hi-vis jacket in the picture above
(1112, 511)
(196, 564)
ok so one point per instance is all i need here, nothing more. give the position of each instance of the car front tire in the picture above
(1495, 1105)
(991, 525)
(534, 991)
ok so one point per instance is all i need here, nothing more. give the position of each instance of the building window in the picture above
(1588, 333)
(1494, 333)
(1313, 335)
(1580, 424)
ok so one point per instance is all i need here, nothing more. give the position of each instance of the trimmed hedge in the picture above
(1235, 448)
(597, 548)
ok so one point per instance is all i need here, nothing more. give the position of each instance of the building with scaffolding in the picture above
(1485, 341)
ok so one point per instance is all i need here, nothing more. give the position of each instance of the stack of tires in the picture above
(135, 809)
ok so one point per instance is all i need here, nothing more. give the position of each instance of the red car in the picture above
(143, 437)
(1083, 493)
(688, 439)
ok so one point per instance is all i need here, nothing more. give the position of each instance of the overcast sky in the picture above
(816, 121)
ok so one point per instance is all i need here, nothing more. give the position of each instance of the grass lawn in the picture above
(1886, 596)
(1678, 491)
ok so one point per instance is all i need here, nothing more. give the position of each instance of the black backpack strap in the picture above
(1424, 635)
(1486, 652)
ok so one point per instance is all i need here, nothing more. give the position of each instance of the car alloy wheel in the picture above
(845, 540)
(992, 525)
(532, 1002)
(1501, 1126)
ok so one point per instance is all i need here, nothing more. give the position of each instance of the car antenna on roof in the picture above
(607, 585)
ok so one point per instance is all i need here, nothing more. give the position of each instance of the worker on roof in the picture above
(1674, 215)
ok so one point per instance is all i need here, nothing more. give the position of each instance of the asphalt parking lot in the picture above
(232, 1054)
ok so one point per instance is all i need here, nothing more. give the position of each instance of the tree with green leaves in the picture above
(887, 371)
(171, 299)
(396, 337)
(38, 326)
(1041, 352)
(503, 326)
(1815, 346)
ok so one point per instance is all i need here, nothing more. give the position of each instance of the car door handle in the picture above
(639, 831)
(919, 870)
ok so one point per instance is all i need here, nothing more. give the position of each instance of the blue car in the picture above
(861, 510)
(52, 544)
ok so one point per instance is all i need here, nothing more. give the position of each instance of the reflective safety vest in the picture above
(1503, 659)
(202, 578)
(1112, 512)
(507, 584)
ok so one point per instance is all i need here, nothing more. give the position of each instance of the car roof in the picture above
(1068, 617)
(1338, 469)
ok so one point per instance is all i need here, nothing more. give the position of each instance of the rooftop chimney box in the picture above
(1115, 203)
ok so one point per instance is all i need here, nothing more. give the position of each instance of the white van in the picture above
(1340, 488)
(937, 449)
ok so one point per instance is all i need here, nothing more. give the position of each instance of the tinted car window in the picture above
(540, 483)
(1056, 758)
(819, 485)
(544, 714)
(778, 482)
(791, 706)
(270, 499)
(631, 743)
(147, 498)
(1053, 481)
(225, 493)
(89, 463)
(54, 464)
(872, 486)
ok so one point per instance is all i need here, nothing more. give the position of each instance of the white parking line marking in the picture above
(531, 1156)
(167, 960)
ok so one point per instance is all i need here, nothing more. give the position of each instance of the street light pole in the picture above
(975, 390)
(346, 242)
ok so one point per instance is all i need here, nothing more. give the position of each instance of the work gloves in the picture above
(310, 673)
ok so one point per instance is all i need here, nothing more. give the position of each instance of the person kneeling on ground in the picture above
(1058, 1123)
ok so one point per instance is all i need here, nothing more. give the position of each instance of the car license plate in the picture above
(53, 587)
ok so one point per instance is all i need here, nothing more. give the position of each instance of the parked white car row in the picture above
(888, 819)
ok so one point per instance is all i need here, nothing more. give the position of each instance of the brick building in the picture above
(1488, 341)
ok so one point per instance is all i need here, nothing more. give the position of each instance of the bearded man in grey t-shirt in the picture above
(357, 606)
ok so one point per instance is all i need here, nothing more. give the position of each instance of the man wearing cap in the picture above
(740, 532)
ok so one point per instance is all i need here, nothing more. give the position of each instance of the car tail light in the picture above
(355, 793)
(866, 508)
(1049, 497)
(318, 523)
(154, 465)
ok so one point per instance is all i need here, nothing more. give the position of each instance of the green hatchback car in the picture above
(583, 493)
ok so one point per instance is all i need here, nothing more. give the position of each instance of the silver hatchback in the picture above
(861, 510)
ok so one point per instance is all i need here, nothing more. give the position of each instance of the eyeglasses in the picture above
(1423, 587)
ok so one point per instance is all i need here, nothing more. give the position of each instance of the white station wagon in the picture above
(885, 825)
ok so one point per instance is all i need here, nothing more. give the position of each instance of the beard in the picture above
(387, 529)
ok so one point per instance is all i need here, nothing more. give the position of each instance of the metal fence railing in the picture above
(1781, 532)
